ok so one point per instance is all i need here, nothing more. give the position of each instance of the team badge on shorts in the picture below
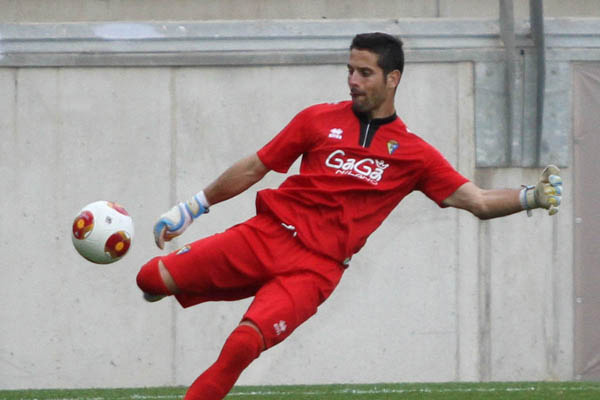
(183, 250)
(392, 146)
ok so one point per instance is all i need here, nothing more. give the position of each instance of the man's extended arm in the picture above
(493, 203)
(236, 179)
(485, 204)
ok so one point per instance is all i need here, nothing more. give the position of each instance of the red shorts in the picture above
(258, 258)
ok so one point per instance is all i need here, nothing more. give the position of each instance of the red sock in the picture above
(241, 348)
(149, 279)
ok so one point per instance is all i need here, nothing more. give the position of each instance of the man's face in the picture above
(367, 84)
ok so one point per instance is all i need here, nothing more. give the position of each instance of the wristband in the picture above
(202, 199)
(523, 198)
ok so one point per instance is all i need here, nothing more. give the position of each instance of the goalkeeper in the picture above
(358, 162)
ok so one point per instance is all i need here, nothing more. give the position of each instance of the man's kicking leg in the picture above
(231, 266)
(242, 347)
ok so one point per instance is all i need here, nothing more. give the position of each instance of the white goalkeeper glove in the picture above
(175, 221)
(547, 193)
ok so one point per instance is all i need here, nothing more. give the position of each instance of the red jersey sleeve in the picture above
(289, 144)
(439, 179)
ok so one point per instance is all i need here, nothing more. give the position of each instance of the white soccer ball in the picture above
(102, 232)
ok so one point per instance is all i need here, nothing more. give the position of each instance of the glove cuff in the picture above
(197, 205)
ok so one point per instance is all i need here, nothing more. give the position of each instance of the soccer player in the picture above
(358, 162)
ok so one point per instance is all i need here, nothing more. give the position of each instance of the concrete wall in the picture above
(436, 295)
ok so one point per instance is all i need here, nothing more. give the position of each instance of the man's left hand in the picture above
(547, 193)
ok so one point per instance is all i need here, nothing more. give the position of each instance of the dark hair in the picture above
(388, 48)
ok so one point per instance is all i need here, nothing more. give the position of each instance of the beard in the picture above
(365, 104)
(359, 106)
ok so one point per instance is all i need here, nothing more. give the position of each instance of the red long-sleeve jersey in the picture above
(354, 171)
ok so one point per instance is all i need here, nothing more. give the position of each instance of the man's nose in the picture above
(353, 79)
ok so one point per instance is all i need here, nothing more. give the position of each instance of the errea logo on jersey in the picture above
(280, 327)
(367, 169)
(336, 133)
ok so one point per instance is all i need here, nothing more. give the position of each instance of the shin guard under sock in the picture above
(241, 348)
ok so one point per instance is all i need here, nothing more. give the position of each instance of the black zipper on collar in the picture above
(368, 127)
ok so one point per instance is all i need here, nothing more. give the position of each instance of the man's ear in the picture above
(393, 78)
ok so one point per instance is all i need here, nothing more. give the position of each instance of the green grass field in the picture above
(446, 391)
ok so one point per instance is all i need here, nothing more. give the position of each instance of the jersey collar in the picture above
(363, 117)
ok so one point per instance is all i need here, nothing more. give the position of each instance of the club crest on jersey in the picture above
(336, 133)
(183, 250)
(392, 146)
(366, 169)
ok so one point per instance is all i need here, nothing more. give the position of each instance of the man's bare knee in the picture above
(253, 326)
(167, 278)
